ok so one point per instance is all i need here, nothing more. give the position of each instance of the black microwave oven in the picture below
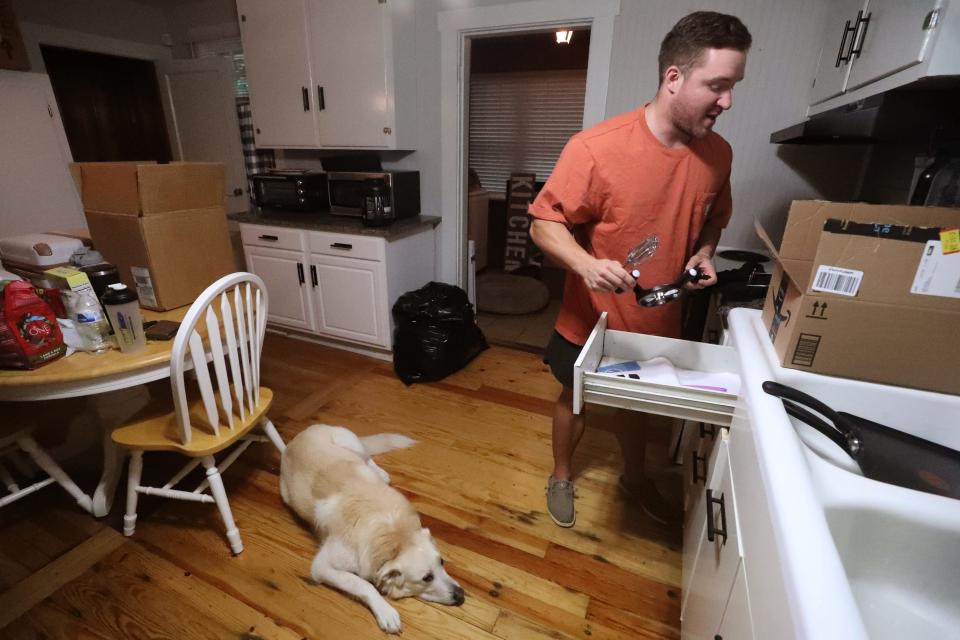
(346, 191)
(291, 189)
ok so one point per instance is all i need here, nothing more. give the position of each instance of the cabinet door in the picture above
(737, 624)
(831, 78)
(351, 44)
(892, 36)
(717, 560)
(284, 273)
(350, 299)
(277, 56)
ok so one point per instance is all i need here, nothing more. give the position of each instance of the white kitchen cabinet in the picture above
(349, 299)
(283, 273)
(338, 286)
(866, 41)
(718, 556)
(737, 623)
(831, 78)
(893, 35)
(277, 57)
(335, 74)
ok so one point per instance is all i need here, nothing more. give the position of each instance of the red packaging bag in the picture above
(29, 334)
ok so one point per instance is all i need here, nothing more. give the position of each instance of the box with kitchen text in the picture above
(162, 225)
(869, 292)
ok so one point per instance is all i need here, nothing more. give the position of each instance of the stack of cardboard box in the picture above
(869, 292)
(163, 226)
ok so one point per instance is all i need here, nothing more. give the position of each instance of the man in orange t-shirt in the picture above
(659, 170)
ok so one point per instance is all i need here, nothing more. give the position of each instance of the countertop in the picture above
(324, 221)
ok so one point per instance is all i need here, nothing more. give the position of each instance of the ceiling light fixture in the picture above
(564, 36)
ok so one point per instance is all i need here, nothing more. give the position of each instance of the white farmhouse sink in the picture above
(889, 564)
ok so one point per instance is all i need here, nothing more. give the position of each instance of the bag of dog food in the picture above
(29, 334)
(435, 334)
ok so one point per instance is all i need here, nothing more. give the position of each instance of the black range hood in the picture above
(901, 116)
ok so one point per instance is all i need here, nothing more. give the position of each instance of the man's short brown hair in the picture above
(701, 30)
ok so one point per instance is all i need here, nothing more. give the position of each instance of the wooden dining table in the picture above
(86, 374)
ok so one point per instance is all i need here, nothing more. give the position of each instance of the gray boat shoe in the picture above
(560, 495)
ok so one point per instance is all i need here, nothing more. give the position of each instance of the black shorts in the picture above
(561, 354)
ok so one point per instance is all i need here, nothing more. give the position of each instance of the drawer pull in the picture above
(704, 430)
(712, 530)
(270, 238)
(341, 245)
(702, 459)
(300, 277)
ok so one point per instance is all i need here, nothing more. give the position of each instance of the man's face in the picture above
(705, 91)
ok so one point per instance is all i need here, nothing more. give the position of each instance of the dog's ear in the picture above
(389, 578)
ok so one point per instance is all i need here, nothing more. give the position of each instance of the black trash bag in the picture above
(435, 333)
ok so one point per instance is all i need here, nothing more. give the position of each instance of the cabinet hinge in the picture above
(932, 19)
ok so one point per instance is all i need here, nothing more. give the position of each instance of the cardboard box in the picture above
(13, 55)
(869, 292)
(162, 225)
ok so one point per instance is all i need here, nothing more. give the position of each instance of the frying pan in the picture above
(883, 453)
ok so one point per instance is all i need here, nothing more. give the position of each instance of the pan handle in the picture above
(803, 415)
(784, 392)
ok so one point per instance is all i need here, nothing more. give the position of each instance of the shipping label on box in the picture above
(938, 273)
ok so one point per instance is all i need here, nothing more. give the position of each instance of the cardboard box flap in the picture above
(110, 186)
(798, 270)
(179, 186)
(807, 217)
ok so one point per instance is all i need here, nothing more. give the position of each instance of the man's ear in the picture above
(389, 578)
(673, 78)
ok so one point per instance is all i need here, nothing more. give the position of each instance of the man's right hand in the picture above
(605, 275)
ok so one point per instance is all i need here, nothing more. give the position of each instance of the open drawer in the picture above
(674, 400)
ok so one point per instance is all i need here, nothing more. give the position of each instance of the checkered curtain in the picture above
(256, 160)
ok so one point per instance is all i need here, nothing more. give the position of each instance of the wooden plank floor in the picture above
(476, 475)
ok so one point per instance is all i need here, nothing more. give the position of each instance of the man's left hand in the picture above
(705, 265)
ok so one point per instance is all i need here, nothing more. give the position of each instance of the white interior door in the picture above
(201, 110)
(37, 193)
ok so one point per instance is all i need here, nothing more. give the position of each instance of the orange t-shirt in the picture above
(614, 185)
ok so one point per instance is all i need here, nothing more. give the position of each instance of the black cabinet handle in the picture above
(701, 459)
(341, 245)
(300, 273)
(321, 100)
(306, 99)
(843, 41)
(313, 275)
(704, 430)
(856, 43)
(270, 238)
(712, 530)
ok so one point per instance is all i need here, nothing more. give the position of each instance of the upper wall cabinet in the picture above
(894, 41)
(331, 74)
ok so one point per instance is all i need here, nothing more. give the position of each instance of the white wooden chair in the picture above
(210, 415)
(18, 422)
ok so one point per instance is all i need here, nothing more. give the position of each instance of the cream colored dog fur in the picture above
(371, 541)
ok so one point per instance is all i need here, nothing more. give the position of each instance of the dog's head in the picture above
(418, 571)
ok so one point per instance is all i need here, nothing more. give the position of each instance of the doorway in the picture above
(526, 94)
(110, 105)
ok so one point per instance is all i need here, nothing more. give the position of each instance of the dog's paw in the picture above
(387, 617)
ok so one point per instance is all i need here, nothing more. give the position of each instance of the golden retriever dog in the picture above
(371, 541)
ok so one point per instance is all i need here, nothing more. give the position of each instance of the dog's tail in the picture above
(383, 442)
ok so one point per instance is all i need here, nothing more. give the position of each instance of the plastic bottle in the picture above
(123, 307)
(91, 323)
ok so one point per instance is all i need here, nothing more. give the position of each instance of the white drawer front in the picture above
(674, 400)
(277, 237)
(347, 246)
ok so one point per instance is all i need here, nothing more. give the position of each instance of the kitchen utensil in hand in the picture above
(664, 293)
(639, 255)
